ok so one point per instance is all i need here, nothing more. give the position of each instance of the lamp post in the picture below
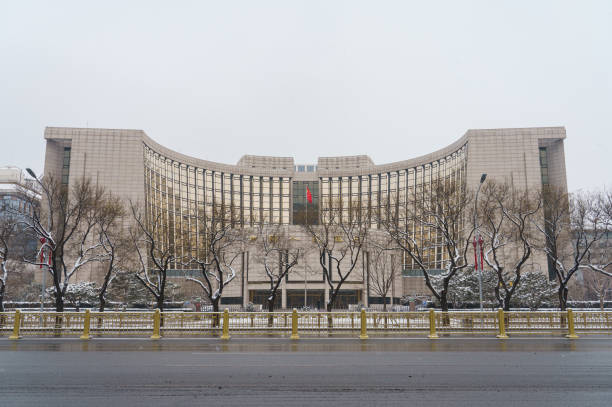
(44, 276)
(478, 240)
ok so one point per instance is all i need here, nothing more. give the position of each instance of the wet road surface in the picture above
(275, 372)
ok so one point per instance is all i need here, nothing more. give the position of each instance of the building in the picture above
(16, 193)
(273, 190)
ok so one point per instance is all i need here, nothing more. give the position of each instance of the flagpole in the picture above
(305, 279)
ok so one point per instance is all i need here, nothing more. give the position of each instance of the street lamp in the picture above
(478, 240)
(44, 276)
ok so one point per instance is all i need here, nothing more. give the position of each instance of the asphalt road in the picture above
(275, 372)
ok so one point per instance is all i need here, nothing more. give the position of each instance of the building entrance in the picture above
(314, 299)
(346, 298)
(261, 297)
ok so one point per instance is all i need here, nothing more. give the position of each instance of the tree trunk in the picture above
(3, 317)
(103, 292)
(59, 307)
(500, 300)
(215, 305)
(160, 302)
(59, 302)
(2, 288)
(563, 297)
(271, 309)
(329, 306)
(444, 307)
(272, 299)
(331, 300)
(601, 302)
(384, 303)
(102, 301)
(443, 302)
(506, 303)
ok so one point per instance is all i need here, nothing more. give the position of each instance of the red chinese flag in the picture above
(308, 195)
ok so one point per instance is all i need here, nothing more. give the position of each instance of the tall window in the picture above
(544, 165)
(66, 166)
(303, 213)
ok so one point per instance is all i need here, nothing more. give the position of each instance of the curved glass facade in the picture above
(404, 188)
(184, 195)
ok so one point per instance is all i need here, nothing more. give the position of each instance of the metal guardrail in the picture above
(295, 324)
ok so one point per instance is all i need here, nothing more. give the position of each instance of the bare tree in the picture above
(154, 251)
(436, 220)
(220, 246)
(507, 226)
(339, 237)
(599, 257)
(571, 226)
(72, 213)
(279, 256)
(113, 241)
(15, 244)
(385, 266)
(598, 285)
(597, 276)
(8, 226)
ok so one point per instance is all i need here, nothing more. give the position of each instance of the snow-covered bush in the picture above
(534, 290)
(81, 292)
(464, 288)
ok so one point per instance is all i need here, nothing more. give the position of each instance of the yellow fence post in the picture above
(432, 325)
(294, 325)
(86, 323)
(15, 334)
(225, 334)
(570, 325)
(501, 323)
(364, 325)
(156, 324)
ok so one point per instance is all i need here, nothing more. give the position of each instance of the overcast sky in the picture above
(391, 79)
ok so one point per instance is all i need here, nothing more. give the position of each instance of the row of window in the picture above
(184, 195)
(14, 203)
